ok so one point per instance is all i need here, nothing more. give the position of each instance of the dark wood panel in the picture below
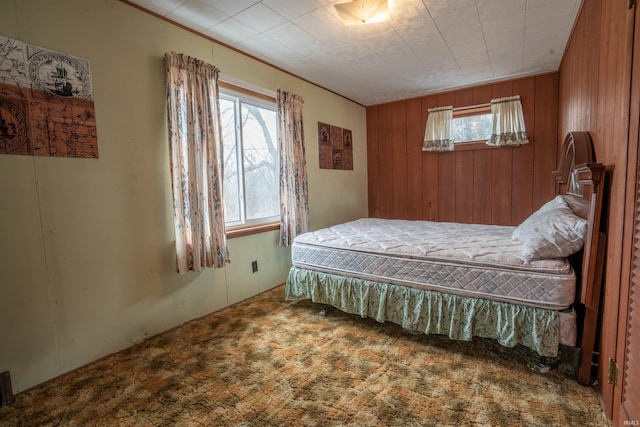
(594, 88)
(446, 186)
(465, 179)
(613, 96)
(446, 173)
(522, 178)
(385, 163)
(399, 152)
(430, 168)
(463, 97)
(630, 395)
(482, 94)
(628, 345)
(464, 169)
(546, 143)
(474, 184)
(373, 162)
(502, 169)
(501, 185)
(415, 135)
(482, 166)
(502, 89)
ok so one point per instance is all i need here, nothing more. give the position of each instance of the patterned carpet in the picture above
(271, 362)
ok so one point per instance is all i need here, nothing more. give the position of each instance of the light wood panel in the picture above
(481, 185)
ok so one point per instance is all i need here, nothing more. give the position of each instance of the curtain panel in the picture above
(294, 193)
(508, 122)
(438, 135)
(195, 144)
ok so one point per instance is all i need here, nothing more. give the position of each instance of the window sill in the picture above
(247, 230)
(472, 145)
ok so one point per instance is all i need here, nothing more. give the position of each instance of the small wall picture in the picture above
(335, 147)
(46, 102)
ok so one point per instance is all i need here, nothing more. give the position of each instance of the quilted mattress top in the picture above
(469, 244)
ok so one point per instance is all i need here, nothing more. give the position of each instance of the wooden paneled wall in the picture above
(595, 95)
(484, 185)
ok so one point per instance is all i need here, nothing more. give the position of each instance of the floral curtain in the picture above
(438, 135)
(195, 143)
(508, 122)
(294, 197)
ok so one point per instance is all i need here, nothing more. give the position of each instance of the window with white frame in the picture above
(251, 164)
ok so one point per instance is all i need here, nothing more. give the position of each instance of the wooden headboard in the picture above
(579, 179)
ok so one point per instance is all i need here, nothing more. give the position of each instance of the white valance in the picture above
(508, 122)
(438, 135)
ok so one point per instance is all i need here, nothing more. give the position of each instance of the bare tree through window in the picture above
(251, 190)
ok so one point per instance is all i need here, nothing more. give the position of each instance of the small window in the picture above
(251, 168)
(472, 125)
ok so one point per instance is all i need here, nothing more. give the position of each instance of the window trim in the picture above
(466, 112)
(249, 229)
(260, 225)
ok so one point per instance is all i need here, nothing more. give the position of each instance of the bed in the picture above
(536, 284)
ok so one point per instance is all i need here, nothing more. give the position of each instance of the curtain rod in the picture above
(471, 107)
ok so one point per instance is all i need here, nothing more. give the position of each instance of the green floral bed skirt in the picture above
(458, 317)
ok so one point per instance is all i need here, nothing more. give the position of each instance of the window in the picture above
(251, 168)
(470, 125)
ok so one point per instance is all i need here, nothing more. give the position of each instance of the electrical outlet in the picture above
(254, 266)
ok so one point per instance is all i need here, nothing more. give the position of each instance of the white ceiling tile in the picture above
(197, 15)
(259, 17)
(499, 37)
(501, 10)
(553, 5)
(508, 46)
(325, 28)
(480, 68)
(291, 9)
(231, 30)
(411, 20)
(438, 8)
(427, 46)
(231, 7)
(469, 52)
(266, 47)
(294, 38)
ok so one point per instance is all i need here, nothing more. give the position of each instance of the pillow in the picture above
(555, 203)
(551, 233)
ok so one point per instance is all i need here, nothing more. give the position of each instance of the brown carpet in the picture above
(271, 362)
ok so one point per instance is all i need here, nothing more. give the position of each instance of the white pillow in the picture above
(555, 203)
(551, 232)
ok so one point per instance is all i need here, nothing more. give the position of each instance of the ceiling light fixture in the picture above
(358, 12)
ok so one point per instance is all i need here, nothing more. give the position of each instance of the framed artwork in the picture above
(335, 147)
(46, 102)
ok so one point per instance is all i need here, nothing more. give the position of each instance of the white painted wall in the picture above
(86, 245)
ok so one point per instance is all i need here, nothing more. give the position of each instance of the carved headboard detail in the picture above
(579, 180)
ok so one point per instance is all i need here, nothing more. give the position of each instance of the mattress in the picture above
(474, 260)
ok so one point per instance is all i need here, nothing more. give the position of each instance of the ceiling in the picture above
(428, 45)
